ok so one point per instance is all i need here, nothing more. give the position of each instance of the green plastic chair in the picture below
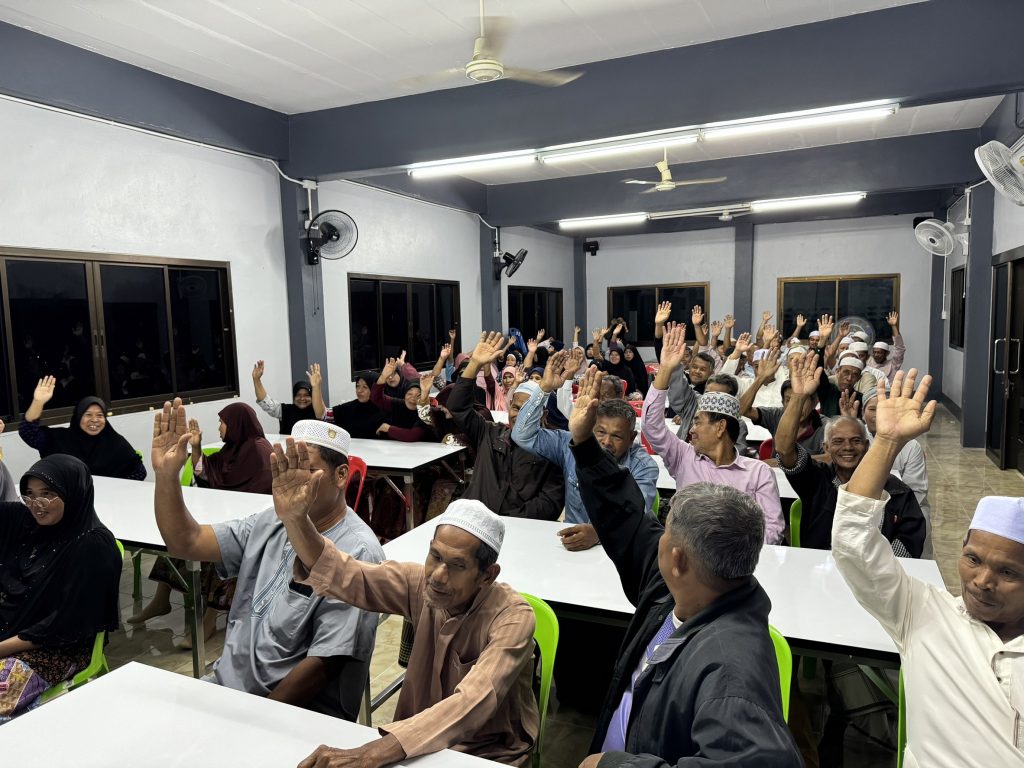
(784, 658)
(901, 728)
(545, 634)
(187, 471)
(656, 506)
(97, 663)
(795, 511)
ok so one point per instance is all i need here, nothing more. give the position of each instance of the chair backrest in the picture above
(656, 506)
(766, 449)
(186, 472)
(795, 512)
(356, 476)
(646, 444)
(545, 634)
(901, 728)
(784, 658)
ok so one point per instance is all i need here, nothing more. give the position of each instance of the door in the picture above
(1005, 429)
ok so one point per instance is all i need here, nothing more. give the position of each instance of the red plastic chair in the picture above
(766, 449)
(356, 469)
(645, 444)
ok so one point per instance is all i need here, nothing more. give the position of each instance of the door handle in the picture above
(995, 357)
(1016, 370)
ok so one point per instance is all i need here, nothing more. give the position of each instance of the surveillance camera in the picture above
(591, 247)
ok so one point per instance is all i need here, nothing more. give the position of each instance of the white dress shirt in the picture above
(964, 686)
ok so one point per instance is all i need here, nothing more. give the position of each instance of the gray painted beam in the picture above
(579, 286)
(908, 163)
(885, 54)
(455, 192)
(44, 70)
(978, 321)
(937, 338)
(743, 282)
(307, 330)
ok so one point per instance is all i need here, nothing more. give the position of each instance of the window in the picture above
(388, 315)
(530, 309)
(957, 306)
(865, 297)
(637, 305)
(132, 330)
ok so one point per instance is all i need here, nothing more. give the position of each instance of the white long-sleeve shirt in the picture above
(964, 686)
(769, 395)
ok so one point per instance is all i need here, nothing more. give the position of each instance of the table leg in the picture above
(410, 517)
(194, 609)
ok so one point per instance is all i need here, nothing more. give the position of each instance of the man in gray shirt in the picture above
(282, 641)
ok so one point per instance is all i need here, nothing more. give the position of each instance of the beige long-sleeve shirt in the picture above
(468, 683)
(964, 686)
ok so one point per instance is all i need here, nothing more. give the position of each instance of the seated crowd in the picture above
(551, 432)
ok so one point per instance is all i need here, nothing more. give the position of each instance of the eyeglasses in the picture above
(36, 501)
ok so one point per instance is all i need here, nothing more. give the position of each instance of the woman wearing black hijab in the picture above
(88, 436)
(60, 572)
(304, 398)
(637, 367)
(615, 364)
(359, 417)
(401, 417)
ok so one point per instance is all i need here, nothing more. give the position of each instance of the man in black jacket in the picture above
(506, 478)
(697, 683)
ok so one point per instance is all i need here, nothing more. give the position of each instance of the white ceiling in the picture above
(912, 121)
(304, 55)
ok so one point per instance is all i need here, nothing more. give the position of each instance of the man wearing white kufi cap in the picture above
(888, 358)
(282, 641)
(468, 683)
(963, 657)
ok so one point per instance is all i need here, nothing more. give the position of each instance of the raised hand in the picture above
(293, 486)
(769, 334)
(531, 345)
(768, 366)
(446, 351)
(426, 382)
(743, 344)
(576, 332)
(673, 347)
(844, 329)
(195, 434)
(766, 317)
(729, 322)
(825, 325)
(849, 405)
(893, 319)
(451, 335)
(44, 390)
(170, 439)
(617, 331)
(491, 345)
(801, 321)
(805, 375)
(315, 378)
(390, 366)
(697, 316)
(664, 313)
(257, 370)
(598, 335)
(716, 328)
(904, 413)
(520, 377)
(584, 413)
(540, 335)
(573, 363)
(553, 377)
(401, 358)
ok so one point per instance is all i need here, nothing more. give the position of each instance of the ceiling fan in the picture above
(486, 65)
(667, 184)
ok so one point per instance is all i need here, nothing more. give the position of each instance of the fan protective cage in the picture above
(341, 240)
(936, 237)
(1002, 168)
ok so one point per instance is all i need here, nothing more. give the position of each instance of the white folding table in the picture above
(126, 507)
(153, 718)
(811, 604)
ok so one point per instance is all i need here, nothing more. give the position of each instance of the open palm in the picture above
(170, 438)
(294, 485)
(674, 347)
(905, 413)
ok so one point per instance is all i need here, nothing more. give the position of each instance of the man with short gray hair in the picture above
(696, 678)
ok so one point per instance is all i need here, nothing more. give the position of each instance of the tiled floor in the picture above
(958, 478)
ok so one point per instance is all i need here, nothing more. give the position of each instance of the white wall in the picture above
(548, 265)
(881, 245)
(398, 237)
(71, 184)
(677, 257)
(1007, 225)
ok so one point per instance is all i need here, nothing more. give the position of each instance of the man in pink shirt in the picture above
(711, 454)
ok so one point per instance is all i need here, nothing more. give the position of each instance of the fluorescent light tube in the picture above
(603, 221)
(792, 121)
(607, 149)
(473, 164)
(811, 201)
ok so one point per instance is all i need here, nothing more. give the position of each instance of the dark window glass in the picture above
(7, 409)
(51, 327)
(424, 333)
(135, 323)
(810, 298)
(684, 298)
(446, 307)
(638, 306)
(394, 309)
(365, 314)
(200, 328)
(871, 299)
(957, 306)
(531, 309)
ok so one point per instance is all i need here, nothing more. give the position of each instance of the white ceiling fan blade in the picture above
(689, 182)
(431, 79)
(551, 79)
(637, 181)
(653, 189)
